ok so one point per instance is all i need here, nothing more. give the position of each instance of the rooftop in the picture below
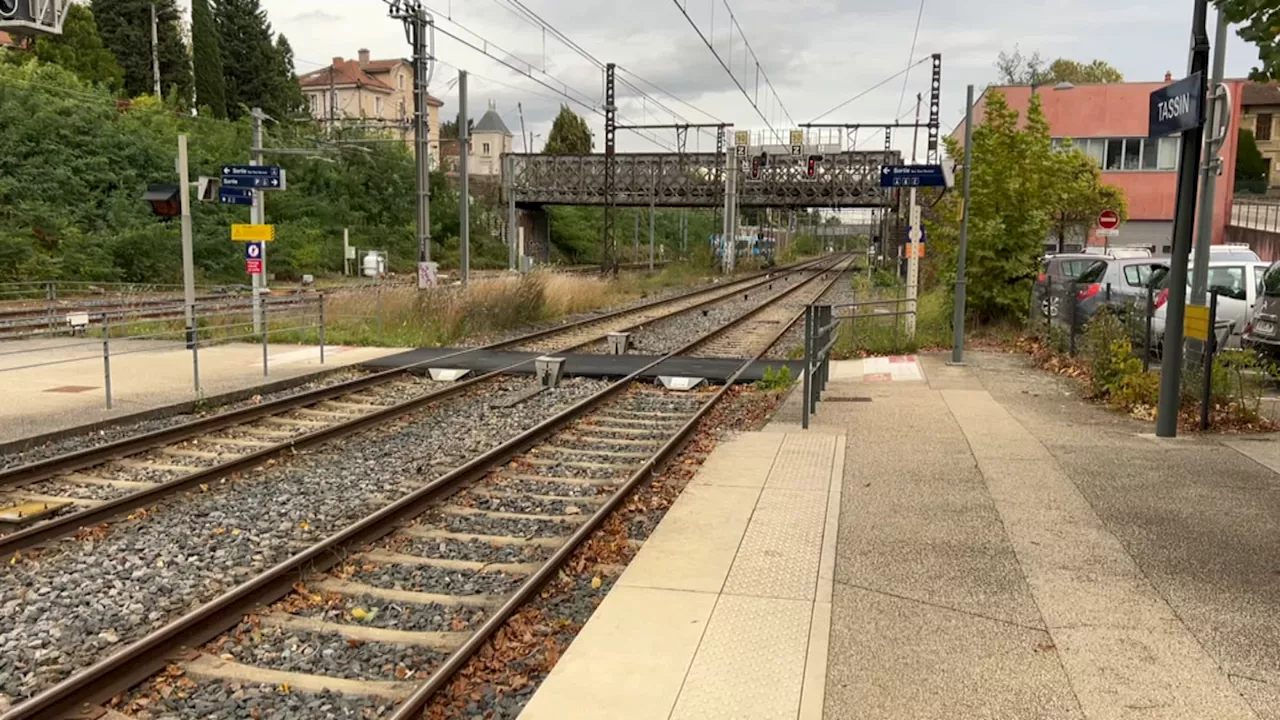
(491, 122)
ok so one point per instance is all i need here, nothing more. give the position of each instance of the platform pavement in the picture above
(48, 398)
(1005, 550)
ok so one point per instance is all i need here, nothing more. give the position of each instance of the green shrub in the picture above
(1109, 354)
(775, 380)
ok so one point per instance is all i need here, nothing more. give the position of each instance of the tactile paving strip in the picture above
(780, 553)
(729, 681)
(804, 463)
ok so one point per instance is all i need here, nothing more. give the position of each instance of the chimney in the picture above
(364, 57)
(1168, 76)
(337, 60)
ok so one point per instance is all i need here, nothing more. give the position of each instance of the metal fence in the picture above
(114, 333)
(1256, 215)
(823, 328)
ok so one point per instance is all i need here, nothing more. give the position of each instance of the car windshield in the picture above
(1093, 273)
(1225, 281)
(1271, 281)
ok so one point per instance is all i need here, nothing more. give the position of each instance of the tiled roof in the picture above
(381, 66)
(342, 73)
(1260, 94)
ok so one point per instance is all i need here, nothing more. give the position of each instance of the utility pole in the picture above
(730, 241)
(609, 262)
(257, 215)
(523, 142)
(635, 237)
(508, 181)
(417, 24)
(957, 321)
(188, 255)
(464, 199)
(1219, 103)
(155, 51)
(915, 234)
(651, 245)
(1188, 179)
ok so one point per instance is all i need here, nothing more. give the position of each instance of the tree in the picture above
(1260, 20)
(80, 49)
(258, 70)
(569, 135)
(1018, 69)
(1251, 168)
(211, 91)
(125, 27)
(449, 128)
(1022, 191)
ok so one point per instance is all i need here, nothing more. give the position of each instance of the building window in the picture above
(486, 149)
(1127, 154)
(400, 81)
(402, 110)
(1263, 129)
(1133, 154)
(1115, 155)
(314, 99)
(377, 107)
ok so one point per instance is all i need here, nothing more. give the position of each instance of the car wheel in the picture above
(1049, 307)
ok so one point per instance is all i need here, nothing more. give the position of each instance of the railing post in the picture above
(1211, 344)
(194, 339)
(264, 337)
(1146, 340)
(826, 342)
(321, 328)
(1072, 289)
(106, 355)
(808, 365)
(378, 301)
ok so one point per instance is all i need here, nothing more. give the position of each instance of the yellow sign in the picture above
(253, 233)
(797, 137)
(742, 138)
(1196, 324)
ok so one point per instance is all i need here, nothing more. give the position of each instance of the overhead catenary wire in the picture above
(910, 57)
(518, 8)
(759, 69)
(871, 89)
(529, 74)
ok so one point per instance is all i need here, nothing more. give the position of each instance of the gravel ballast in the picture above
(63, 610)
(664, 336)
(127, 430)
(329, 654)
(214, 700)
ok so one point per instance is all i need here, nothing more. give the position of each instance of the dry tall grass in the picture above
(401, 315)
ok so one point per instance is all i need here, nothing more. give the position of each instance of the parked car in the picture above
(1114, 279)
(1238, 285)
(1262, 333)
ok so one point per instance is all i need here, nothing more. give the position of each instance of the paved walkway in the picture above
(1005, 550)
(54, 384)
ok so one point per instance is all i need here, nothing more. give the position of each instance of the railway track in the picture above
(20, 324)
(57, 496)
(428, 578)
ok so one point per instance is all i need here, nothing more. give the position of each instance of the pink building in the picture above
(1109, 123)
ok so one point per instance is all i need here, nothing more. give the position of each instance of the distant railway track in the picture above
(54, 497)
(506, 519)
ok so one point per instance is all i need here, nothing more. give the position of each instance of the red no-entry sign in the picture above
(1108, 220)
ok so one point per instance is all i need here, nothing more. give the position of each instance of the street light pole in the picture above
(957, 342)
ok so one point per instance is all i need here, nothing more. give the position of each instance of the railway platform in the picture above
(959, 542)
(52, 385)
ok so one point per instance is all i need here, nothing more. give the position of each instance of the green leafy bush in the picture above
(775, 380)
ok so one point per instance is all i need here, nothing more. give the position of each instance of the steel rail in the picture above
(413, 706)
(89, 516)
(151, 653)
(44, 469)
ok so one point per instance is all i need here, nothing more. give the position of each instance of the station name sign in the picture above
(1177, 107)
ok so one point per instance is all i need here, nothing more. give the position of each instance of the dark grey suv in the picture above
(1095, 281)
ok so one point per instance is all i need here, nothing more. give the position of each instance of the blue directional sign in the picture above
(1177, 107)
(260, 177)
(235, 196)
(912, 176)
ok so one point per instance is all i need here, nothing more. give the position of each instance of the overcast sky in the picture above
(818, 53)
